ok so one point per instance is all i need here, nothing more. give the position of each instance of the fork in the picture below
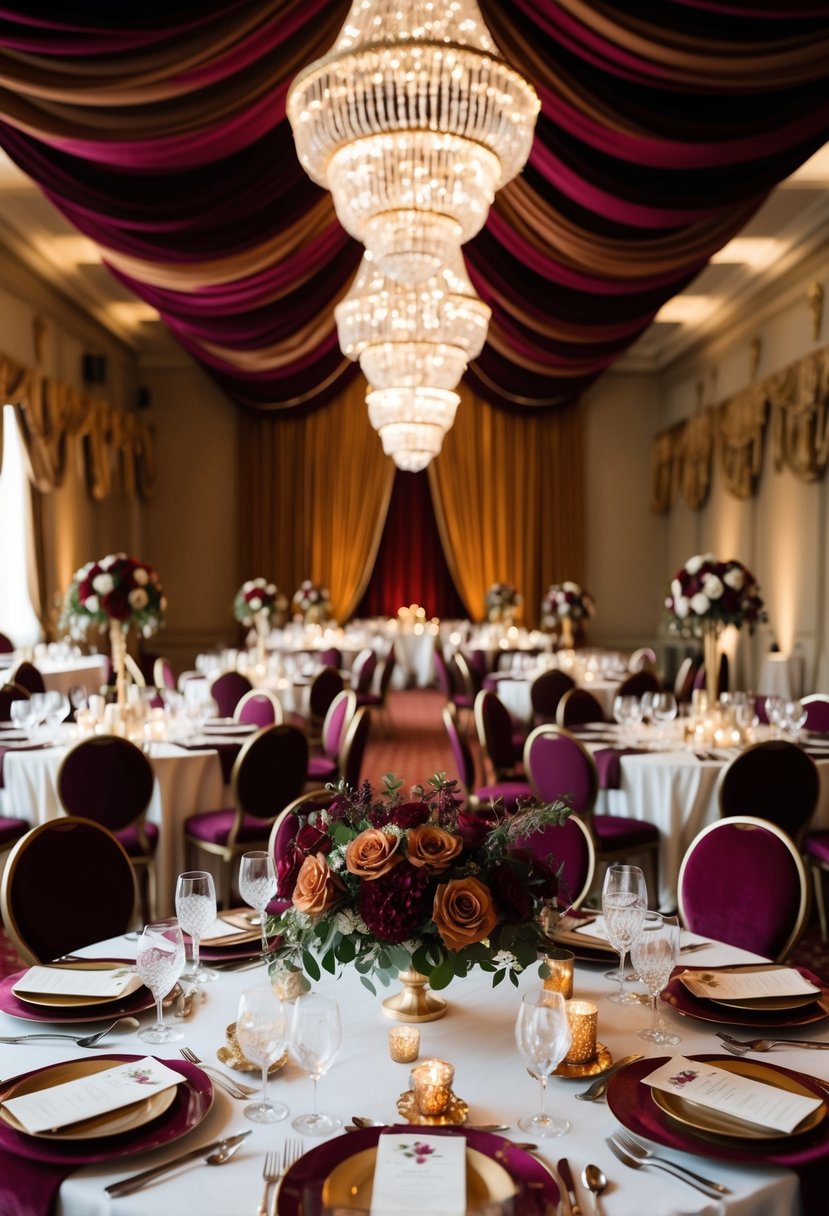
(641, 1151)
(291, 1152)
(271, 1173)
(634, 1163)
(229, 1084)
(741, 1046)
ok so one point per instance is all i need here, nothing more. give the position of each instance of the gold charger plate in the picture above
(350, 1183)
(57, 1000)
(113, 1123)
(456, 1112)
(771, 1004)
(717, 1123)
(591, 1068)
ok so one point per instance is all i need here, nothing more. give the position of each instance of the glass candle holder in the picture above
(560, 964)
(404, 1044)
(433, 1086)
(583, 1017)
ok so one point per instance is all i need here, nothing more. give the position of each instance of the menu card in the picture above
(85, 1097)
(72, 981)
(731, 1094)
(419, 1175)
(228, 927)
(727, 985)
(596, 928)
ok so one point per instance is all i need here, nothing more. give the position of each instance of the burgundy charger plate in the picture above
(535, 1187)
(634, 1107)
(136, 1002)
(191, 1104)
(678, 997)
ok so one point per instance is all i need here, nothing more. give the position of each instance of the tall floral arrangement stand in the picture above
(564, 605)
(313, 602)
(257, 605)
(704, 597)
(502, 602)
(115, 593)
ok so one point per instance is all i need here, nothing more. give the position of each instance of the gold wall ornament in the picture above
(814, 294)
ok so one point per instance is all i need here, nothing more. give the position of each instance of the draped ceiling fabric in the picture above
(159, 130)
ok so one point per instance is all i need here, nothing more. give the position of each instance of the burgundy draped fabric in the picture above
(159, 130)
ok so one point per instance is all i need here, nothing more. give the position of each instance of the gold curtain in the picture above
(508, 491)
(314, 498)
(799, 398)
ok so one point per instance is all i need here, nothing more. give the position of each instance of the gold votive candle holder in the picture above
(404, 1044)
(433, 1086)
(560, 964)
(583, 1017)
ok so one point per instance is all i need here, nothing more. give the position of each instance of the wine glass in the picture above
(627, 712)
(159, 963)
(624, 901)
(196, 911)
(542, 1033)
(654, 953)
(316, 1033)
(795, 714)
(775, 709)
(21, 714)
(646, 706)
(262, 1032)
(257, 885)
(664, 709)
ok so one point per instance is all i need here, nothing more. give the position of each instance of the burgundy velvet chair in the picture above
(110, 780)
(508, 793)
(774, 780)
(450, 684)
(268, 773)
(379, 700)
(546, 692)
(28, 677)
(643, 659)
(742, 881)
(286, 825)
(685, 678)
(325, 686)
(558, 765)
(570, 846)
(817, 712)
(502, 745)
(332, 657)
(362, 673)
(227, 691)
(6, 644)
(9, 693)
(816, 851)
(354, 747)
(259, 707)
(163, 674)
(89, 895)
(326, 766)
(577, 707)
(637, 683)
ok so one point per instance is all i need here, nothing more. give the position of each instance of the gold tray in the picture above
(591, 1068)
(231, 1055)
(455, 1115)
(57, 1000)
(113, 1123)
(717, 1123)
(350, 1183)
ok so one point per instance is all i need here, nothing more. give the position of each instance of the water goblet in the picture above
(21, 713)
(257, 885)
(316, 1034)
(159, 962)
(654, 953)
(542, 1034)
(624, 901)
(196, 911)
(646, 706)
(627, 712)
(664, 709)
(795, 714)
(775, 709)
(262, 1032)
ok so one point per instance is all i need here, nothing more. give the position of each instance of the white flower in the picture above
(103, 583)
(700, 604)
(693, 564)
(676, 588)
(162, 604)
(506, 959)
(681, 607)
(141, 576)
(564, 608)
(712, 586)
(734, 577)
(138, 598)
(574, 587)
(91, 603)
(255, 604)
(344, 921)
(248, 586)
(271, 589)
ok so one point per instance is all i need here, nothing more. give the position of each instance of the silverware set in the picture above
(274, 1169)
(632, 1153)
(219, 1152)
(232, 1087)
(740, 1047)
(84, 1040)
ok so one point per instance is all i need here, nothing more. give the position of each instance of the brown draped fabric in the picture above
(508, 490)
(314, 498)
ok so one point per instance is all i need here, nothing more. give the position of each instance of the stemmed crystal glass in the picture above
(624, 901)
(257, 885)
(316, 1034)
(654, 953)
(159, 963)
(775, 710)
(262, 1032)
(794, 717)
(627, 712)
(21, 714)
(664, 709)
(542, 1034)
(196, 911)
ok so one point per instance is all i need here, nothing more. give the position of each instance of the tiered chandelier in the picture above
(413, 122)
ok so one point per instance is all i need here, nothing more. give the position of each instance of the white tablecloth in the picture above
(514, 691)
(477, 1037)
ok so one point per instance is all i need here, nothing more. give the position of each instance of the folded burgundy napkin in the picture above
(30, 1188)
(608, 765)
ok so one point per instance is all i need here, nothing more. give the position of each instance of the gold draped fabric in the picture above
(314, 498)
(695, 459)
(799, 399)
(740, 427)
(508, 492)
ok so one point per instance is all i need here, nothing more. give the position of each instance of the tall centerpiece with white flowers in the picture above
(257, 604)
(312, 602)
(502, 602)
(114, 593)
(704, 597)
(565, 605)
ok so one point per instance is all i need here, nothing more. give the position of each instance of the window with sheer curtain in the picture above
(17, 617)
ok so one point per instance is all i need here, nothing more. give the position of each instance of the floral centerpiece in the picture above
(705, 596)
(415, 887)
(501, 602)
(565, 604)
(257, 603)
(114, 593)
(313, 602)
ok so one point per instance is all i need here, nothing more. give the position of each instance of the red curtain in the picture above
(410, 566)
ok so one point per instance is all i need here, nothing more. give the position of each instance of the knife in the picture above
(567, 1178)
(136, 1180)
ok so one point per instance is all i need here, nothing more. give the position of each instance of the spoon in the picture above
(595, 1181)
(87, 1040)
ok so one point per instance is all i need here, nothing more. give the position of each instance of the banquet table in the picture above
(477, 1037)
(89, 671)
(513, 688)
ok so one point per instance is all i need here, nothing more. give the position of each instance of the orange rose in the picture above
(432, 847)
(464, 912)
(372, 853)
(317, 886)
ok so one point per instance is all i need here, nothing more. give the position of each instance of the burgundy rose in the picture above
(287, 868)
(509, 886)
(85, 589)
(311, 839)
(409, 815)
(474, 826)
(395, 906)
(116, 605)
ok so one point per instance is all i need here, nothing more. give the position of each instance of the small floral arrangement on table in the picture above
(566, 599)
(501, 601)
(708, 591)
(115, 589)
(388, 884)
(256, 599)
(313, 601)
